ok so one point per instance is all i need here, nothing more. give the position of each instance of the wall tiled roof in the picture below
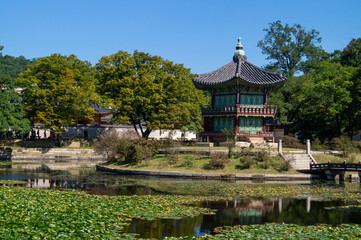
(239, 68)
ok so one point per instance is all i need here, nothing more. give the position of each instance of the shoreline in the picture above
(217, 176)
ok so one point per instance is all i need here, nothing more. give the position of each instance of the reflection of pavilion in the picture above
(253, 210)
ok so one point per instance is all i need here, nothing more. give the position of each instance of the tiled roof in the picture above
(99, 109)
(239, 68)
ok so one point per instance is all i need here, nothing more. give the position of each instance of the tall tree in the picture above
(327, 114)
(351, 55)
(291, 48)
(57, 91)
(12, 66)
(294, 51)
(11, 109)
(148, 91)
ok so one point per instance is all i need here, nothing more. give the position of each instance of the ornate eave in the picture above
(240, 70)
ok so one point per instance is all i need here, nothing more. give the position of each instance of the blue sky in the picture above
(200, 34)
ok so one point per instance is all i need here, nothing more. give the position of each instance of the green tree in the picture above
(294, 51)
(11, 109)
(289, 99)
(326, 114)
(293, 48)
(351, 55)
(229, 136)
(57, 91)
(148, 89)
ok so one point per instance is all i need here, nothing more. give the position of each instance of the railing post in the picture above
(280, 146)
(308, 147)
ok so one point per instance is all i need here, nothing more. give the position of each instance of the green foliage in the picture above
(125, 147)
(108, 145)
(147, 88)
(168, 144)
(292, 48)
(327, 114)
(218, 160)
(288, 231)
(58, 90)
(11, 109)
(291, 142)
(245, 162)
(47, 214)
(12, 66)
(344, 144)
(141, 149)
(230, 138)
(318, 145)
(351, 55)
(261, 160)
(289, 100)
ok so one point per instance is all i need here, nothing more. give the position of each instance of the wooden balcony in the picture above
(241, 110)
(220, 110)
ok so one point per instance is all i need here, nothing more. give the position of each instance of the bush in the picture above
(141, 149)
(173, 159)
(245, 162)
(107, 144)
(291, 142)
(343, 144)
(318, 145)
(280, 165)
(262, 156)
(188, 162)
(125, 147)
(218, 160)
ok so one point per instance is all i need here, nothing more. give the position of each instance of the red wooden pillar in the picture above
(265, 100)
(264, 125)
(237, 125)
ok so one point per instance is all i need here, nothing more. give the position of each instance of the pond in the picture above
(302, 211)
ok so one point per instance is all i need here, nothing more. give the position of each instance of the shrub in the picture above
(245, 162)
(318, 145)
(141, 149)
(343, 144)
(107, 144)
(291, 142)
(173, 159)
(280, 165)
(125, 147)
(229, 137)
(218, 160)
(168, 144)
(188, 162)
(262, 156)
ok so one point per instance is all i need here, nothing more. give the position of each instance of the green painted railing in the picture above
(337, 166)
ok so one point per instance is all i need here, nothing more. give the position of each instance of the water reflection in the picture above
(306, 211)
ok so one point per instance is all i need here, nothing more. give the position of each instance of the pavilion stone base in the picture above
(243, 144)
(257, 141)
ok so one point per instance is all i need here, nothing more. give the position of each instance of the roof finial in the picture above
(239, 53)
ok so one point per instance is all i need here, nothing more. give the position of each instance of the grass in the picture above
(12, 163)
(197, 164)
(238, 148)
(336, 158)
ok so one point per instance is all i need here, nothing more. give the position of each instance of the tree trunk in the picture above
(146, 133)
(136, 129)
